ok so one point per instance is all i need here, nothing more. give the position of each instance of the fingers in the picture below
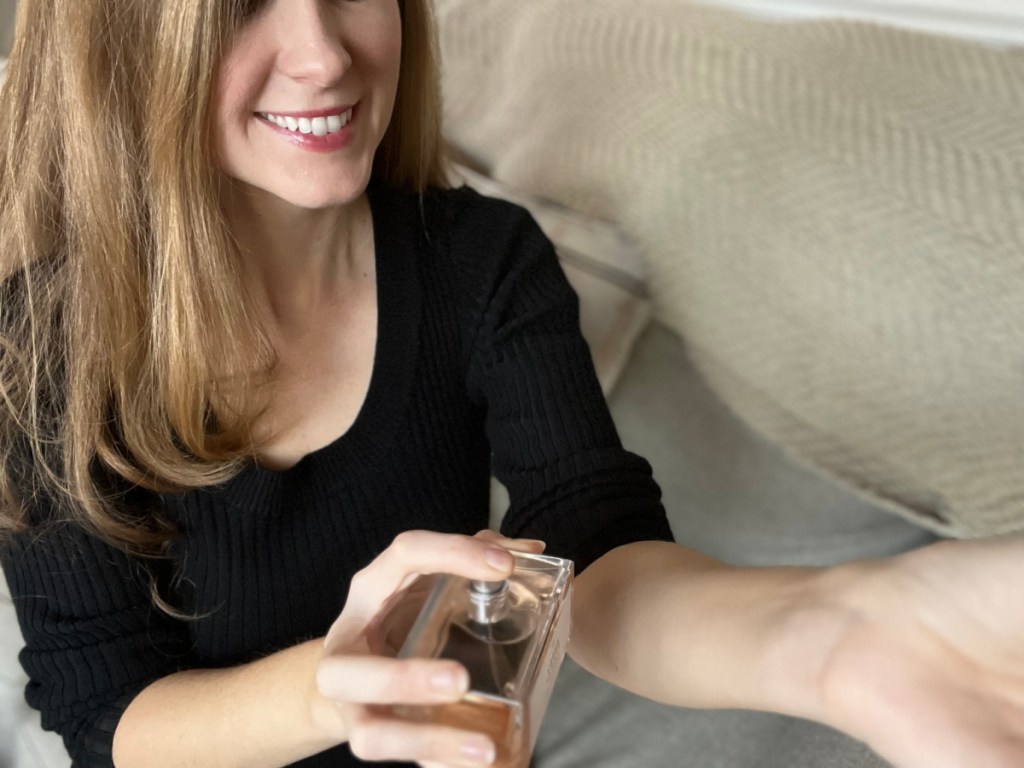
(377, 680)
(413, 553)
(533, 546)
(375, 737)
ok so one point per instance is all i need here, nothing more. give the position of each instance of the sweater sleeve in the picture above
(93, 640)
(553, 441)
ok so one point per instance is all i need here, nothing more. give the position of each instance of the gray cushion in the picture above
(591, 724)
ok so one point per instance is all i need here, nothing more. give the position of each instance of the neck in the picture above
(297, 262)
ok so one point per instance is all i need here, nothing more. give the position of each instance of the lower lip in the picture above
(330, 142)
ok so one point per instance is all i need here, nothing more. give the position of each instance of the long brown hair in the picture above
(128, 350)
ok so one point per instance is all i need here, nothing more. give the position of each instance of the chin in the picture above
(329, 192)
(324, 190)
(330, 199)
(336, 189)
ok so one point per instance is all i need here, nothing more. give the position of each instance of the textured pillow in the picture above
(831, 213)
(603, 266)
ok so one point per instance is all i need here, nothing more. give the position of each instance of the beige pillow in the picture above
(831, 214)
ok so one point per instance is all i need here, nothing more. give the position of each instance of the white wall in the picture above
(995, 21)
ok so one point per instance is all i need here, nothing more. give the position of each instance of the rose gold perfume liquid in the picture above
(510, 635)
(494, 719)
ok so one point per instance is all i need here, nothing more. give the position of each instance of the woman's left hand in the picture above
(929, 667)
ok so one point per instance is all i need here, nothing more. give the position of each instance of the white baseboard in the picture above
(995, 21)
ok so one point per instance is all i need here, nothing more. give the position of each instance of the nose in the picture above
(311, 45)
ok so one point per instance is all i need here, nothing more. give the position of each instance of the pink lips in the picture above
(328, 143)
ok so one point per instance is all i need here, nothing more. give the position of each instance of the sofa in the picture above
(820, 300)
(740, 202)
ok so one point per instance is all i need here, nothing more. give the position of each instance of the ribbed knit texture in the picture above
(832, 216)
(478, 351)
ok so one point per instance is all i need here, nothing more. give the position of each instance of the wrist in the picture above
(324, 714)
(820, 614)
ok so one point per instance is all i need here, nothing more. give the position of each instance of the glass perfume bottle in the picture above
(510, 635)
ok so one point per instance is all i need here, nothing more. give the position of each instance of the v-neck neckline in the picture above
(397, 239)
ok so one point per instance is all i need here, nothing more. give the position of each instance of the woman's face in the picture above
(304, 95)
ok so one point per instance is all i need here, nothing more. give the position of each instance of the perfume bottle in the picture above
(510, 635)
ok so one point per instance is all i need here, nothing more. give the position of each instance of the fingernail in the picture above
(447, 679)
(478, 751)
(498, 558)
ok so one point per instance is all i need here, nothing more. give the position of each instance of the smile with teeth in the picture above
(318, 126)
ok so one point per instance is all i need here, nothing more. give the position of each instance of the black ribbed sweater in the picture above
(479, 364)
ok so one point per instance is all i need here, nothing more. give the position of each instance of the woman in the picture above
(256, 357)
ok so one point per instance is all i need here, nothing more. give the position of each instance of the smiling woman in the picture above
(310, 63)
(254, 380)
(169, 110)
(244, 357)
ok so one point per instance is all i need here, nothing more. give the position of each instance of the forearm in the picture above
(679, 627)
(263, 714)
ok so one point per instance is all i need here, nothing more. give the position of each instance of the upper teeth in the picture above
(318, 126)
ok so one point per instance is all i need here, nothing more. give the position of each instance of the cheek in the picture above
(382, 47)
(234, 99)
(233, 94)
(396, 43)
(222, 123)
(240, 76)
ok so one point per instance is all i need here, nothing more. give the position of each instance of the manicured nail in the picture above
(498, 558)
(481, 752)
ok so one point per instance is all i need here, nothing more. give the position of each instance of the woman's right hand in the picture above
(354, 688)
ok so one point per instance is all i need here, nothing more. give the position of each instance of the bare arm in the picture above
(679, 627)
(263, 714)
(929, 642)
